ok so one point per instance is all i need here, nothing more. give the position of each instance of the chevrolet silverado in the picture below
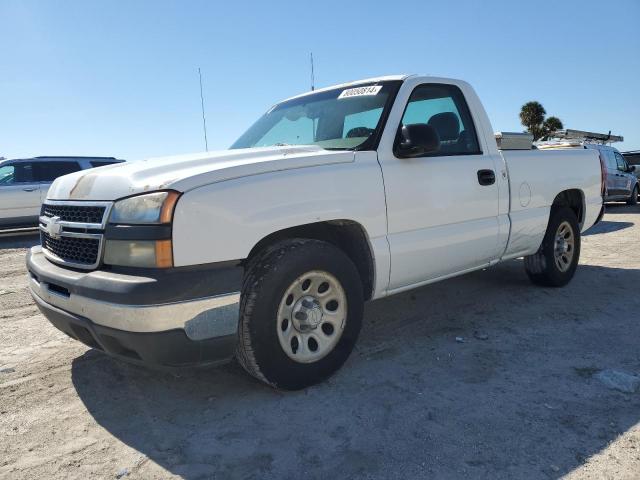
(268, 250)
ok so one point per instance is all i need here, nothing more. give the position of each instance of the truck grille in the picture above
(74, 213)
(71, 232)
(83, 251)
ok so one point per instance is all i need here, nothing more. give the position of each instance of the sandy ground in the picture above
(516, 399)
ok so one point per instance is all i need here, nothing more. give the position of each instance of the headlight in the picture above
(139, 231)
(151, 208)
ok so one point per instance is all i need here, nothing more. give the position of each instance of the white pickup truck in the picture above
(268, 250)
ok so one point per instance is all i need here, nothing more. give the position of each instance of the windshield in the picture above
(341, 118)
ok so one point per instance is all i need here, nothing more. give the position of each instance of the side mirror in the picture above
(416, 140)
(632, 168)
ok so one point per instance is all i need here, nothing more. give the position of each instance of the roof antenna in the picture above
(204, 119)
(312, 74)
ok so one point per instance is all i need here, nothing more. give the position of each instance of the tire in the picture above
(544, 268)
(273, 291)
(633, 199)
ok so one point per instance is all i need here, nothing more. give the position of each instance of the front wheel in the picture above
(300, 313)
(555, 263)
(633, 199)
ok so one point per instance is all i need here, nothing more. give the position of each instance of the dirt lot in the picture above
(517, 398)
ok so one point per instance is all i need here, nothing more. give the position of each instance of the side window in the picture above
(611, 160)
(16, 173)
(49, 171)
(444, 108)
(6, 174)
(622, 165)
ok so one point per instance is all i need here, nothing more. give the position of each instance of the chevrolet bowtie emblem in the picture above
(53, 227)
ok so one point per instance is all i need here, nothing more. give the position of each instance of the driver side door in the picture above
(442, 210)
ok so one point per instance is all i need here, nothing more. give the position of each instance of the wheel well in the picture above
(574, 199)
(347, 235)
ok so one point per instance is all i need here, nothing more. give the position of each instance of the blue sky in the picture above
(120, 78)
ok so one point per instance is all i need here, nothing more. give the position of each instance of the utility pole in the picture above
(204, 119)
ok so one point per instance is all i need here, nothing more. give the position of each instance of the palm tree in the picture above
(550, 125)
(532, 116)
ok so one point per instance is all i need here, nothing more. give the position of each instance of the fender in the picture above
(223, 221)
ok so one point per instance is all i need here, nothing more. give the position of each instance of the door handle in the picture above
(486, 177)
(29, 189)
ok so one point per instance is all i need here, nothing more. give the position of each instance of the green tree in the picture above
(550, 125)
(532, 116)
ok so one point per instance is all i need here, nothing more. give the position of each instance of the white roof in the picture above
(351, 84)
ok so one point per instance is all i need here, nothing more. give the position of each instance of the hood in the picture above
(186, 172)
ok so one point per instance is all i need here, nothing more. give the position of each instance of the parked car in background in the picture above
(621, 183)
(24, 184)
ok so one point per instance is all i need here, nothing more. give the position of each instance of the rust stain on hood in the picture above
(83, 186)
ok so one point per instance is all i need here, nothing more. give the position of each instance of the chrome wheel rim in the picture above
(564, 247)
(311, 316)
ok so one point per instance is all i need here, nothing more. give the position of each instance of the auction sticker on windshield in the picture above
(360, 91)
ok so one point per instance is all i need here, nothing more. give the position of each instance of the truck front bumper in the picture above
(174, 317)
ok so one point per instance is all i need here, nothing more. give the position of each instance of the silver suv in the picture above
(24, 184)
(621, 184)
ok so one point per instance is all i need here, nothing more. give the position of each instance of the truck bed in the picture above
(535, 176)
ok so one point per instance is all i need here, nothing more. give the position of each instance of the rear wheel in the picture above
(301, 313)
(555, 263)
(633, 199)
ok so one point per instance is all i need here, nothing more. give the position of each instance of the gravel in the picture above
(523, 402)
